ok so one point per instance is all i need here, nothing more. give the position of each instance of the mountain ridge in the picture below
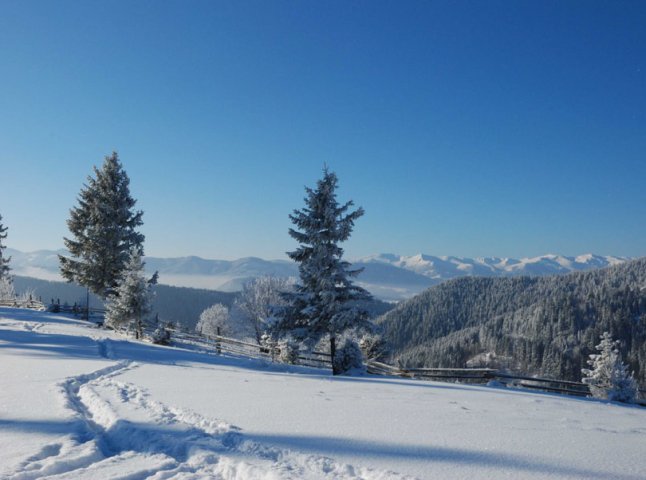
(388, 276)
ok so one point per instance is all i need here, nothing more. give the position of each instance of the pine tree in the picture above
(4, 261)
(104, 229)
(609, 377)
(132, 302)
(323, 303)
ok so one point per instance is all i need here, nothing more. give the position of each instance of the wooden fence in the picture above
(221, 344)
(78, 310)
(486, 375)
(30, 303)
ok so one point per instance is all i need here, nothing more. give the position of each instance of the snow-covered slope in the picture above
(81, 403)
(387, 276)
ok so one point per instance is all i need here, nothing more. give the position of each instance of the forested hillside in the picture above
(173, 304)
(542, 325)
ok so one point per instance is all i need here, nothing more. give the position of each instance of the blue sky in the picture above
(463, 128)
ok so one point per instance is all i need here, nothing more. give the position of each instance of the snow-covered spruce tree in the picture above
(7, 292)
(259, 299)
(323, 301)
(609, 377)
(4, 261)
(131, 303)
(103, 226)
(213, 318)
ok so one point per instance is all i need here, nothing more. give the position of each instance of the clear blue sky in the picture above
(478, 128)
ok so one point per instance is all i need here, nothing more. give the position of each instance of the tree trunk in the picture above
(335, 370)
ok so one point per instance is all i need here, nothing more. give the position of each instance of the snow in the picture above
(80, 402)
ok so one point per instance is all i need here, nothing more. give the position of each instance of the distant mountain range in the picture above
(387, 276)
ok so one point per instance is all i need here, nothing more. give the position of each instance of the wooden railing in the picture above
(486, 375)
(221, 344)
(17, 303)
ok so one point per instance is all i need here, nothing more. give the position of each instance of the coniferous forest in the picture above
(537, 325)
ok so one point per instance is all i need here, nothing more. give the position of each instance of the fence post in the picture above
(274, 351)
(87, 304)
(218, 346)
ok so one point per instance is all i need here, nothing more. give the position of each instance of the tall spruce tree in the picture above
(324, 301)
(104, 229)
(4, 261)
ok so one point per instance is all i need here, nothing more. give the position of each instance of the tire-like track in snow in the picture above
(118, 431)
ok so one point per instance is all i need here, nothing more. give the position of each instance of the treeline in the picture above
(178, 305)
(536, 325)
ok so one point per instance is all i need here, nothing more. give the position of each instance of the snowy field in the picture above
(81, 403)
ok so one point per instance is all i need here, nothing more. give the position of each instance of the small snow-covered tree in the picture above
(348, 356)
(260, 298)
(214, 317)
(131, 303)
(288, 350)
(609, 377)
(161, 335)
(4, 261)
(373, 346)
(324, 301)
(7, 291)
(103, 227)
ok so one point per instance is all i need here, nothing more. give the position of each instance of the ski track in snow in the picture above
(32, 327)
(119, 432)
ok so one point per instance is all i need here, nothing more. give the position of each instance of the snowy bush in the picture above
(258, 300)
(490, 360)
(161, 336)
(288, 351)
(213, 318)
(373, 346)
(348, 356)
(27, 296)
(609, 377)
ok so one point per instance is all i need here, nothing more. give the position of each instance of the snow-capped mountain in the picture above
(387, 276)
(443, 267)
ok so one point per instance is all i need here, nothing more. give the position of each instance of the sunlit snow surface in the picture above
(77, 402)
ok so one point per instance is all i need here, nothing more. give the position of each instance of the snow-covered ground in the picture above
(78, 402)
